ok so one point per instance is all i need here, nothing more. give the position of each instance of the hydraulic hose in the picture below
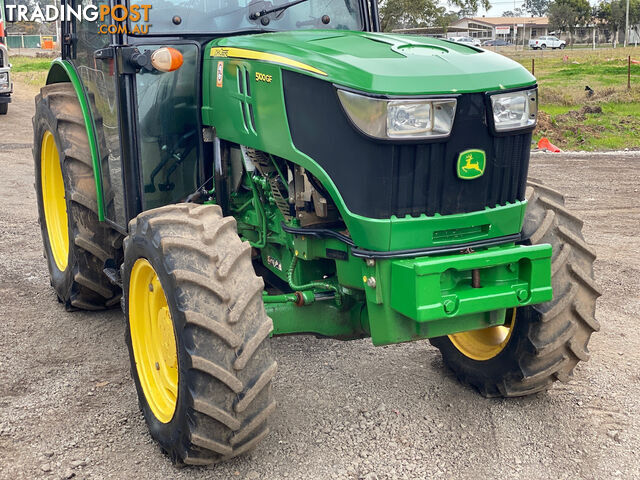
(310, 285)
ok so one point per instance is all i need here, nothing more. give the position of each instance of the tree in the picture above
(406, 13)
(537, 8)
(423, 13)
(445, 19)
(518, 12)
(613, 15)
(566, 15)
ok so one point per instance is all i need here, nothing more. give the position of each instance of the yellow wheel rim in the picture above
(153, 340)
(53, 199)
(486, 343)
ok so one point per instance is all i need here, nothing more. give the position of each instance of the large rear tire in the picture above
(197, 333)
(541, 343)
(76, 244)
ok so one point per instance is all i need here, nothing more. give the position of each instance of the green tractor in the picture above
(231, 171)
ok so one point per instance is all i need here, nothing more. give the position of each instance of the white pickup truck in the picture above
(6, 87)
(547, 42)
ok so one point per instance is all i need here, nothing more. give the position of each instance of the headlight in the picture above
(398, 119)
(4, 77)
(515, 110)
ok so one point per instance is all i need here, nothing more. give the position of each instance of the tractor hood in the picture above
(381, 63)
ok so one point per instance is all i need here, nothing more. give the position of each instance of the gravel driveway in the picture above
(346, 410)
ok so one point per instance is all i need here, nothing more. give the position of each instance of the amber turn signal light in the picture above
(166, 59)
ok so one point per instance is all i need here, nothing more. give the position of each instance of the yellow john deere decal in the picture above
(471, 164)
(233, 52)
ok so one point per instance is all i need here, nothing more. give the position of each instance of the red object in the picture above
(545, 144)
(1, 29)
(632, 61)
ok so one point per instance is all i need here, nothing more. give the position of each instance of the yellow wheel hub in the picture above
(486, 343)
(53, 199)
(153, 340)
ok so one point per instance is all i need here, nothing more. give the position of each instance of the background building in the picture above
(506, 28)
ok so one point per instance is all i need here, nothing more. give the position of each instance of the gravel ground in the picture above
(346, 410)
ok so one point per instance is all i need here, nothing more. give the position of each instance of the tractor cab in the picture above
(152, 120)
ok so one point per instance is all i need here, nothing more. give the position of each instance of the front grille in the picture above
(381, 179)
(424, 179)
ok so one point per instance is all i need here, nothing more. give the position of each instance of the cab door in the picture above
(168, 126)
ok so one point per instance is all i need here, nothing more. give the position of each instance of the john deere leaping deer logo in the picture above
(471, 164)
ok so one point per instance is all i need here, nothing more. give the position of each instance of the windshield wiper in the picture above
(284, 6)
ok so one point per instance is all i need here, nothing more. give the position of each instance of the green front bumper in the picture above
(400, 300)
(433, 296)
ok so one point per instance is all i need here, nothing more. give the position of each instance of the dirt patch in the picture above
(544, 124)
(572, 129)
(591, 109)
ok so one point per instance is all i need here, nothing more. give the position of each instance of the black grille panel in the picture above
(380, 179)
(423, 180)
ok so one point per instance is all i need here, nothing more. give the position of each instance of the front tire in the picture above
(541, 343)
(76, 244)
(4, 108)
(197, 333)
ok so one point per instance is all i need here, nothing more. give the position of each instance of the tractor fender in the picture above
(62, 71)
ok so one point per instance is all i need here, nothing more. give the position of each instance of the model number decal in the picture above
(261, 77)
(274, 262)
(220, 52)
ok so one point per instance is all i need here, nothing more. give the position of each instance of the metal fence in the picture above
(30, 41)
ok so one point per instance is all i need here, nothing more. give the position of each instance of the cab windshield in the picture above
(175, 17)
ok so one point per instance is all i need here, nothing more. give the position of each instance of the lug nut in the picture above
(371, 282)
(157, 366)
(151, 287)
(370, 262)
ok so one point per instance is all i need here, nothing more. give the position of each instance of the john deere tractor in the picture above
(231, 171)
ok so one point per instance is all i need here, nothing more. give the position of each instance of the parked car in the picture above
(496, 42)
(473, 42)
(547, 42)
(6, 87)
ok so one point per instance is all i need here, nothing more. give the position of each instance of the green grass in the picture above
(29, 64)
(29, 70)
(559, 109)
(562, 77)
